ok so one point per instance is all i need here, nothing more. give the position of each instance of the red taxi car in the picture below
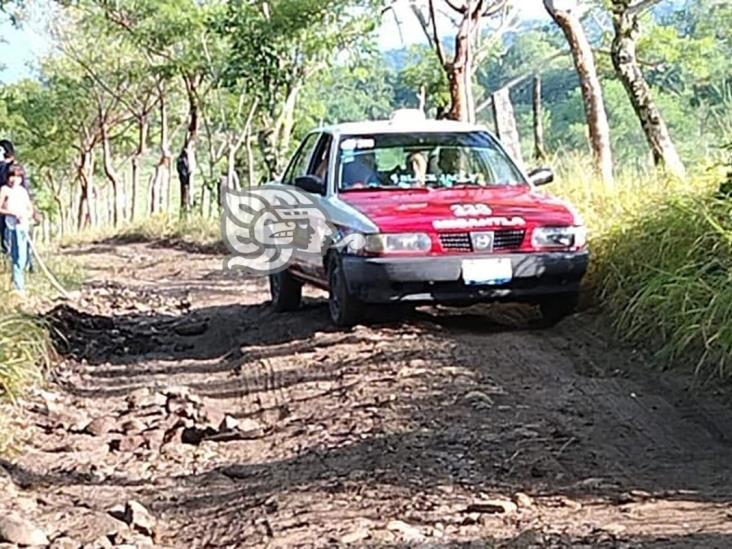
(446, 216)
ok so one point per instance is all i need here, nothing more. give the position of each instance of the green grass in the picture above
(662, 263)
(26, 352)
(25, 349)
(195, 229)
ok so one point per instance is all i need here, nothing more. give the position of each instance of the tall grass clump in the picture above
(25, 355)
(662, 262)
(25, 351)
(193, 229)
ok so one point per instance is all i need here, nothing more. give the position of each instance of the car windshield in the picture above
(424, 160)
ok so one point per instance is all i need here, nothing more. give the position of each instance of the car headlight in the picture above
(398, 243)
(564, 238)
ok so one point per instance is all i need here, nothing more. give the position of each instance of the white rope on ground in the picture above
(49, 275)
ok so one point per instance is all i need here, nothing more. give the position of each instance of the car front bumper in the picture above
(439, 279)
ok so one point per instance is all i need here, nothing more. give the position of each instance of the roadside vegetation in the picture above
(26, 352)
(194, 230)
(662, 262)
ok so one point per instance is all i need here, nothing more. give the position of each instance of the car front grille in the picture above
(503, 241)
(456, 242)
(508, 240)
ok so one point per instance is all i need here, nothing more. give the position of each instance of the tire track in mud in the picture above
(383, 434)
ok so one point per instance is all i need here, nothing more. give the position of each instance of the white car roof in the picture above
(400, 126)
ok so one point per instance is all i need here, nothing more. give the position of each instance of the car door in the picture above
(299, 166)
(320, 166)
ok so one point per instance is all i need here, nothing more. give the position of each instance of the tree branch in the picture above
(636, 9)
(455, 7)
(435, 34)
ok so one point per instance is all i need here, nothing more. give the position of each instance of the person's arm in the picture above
(4, 201)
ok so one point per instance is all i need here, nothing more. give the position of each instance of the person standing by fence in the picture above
(16, 206)
(7, 152)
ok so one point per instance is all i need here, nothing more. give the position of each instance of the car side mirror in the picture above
(310, 184)
(541, 176)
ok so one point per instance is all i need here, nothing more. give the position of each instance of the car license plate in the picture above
(491, 271)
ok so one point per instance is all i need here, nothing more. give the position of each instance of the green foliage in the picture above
(274, 46)
(423, 72)
(12, 9)
(195, 229)
(24, 351)
(662, 264)
(678, 294)
(725, 189)
(358, 90)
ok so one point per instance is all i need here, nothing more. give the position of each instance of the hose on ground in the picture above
(48, 274)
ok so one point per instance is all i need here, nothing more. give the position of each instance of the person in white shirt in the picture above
(16, 205)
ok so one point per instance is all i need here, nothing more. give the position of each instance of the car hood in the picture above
(458, 209)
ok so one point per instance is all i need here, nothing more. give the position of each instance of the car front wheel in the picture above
(345, 309)
(286, 291)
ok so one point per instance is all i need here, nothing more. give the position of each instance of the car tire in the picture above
(286, 291)
(345, 309)
(555, 308)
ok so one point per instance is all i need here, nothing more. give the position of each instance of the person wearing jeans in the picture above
(16, 205)
(8, 159)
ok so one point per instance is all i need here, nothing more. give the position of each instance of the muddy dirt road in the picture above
(185, 413)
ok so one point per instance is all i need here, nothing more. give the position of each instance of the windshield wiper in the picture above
(458, 186)
(369, 188)
(385, 188)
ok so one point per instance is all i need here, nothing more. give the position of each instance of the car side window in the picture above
(301, 161)
(321, 158)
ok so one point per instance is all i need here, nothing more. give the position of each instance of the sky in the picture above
(19, 48)
(22, 47)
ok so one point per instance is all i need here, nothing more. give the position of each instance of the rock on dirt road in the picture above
(185, 413)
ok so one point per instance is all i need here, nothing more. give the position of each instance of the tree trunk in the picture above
(584, 62)
(70, 210)
(56, 196)
(458, 76)
(275, 140)
(231, 177)
(625, 61)
(110, 172)
(251, 173)
(234, 143)
(142, 124)
(187, 157)
(85, 173)
(288, 121)
(160, 180)
(154, 189)
(539, 146)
